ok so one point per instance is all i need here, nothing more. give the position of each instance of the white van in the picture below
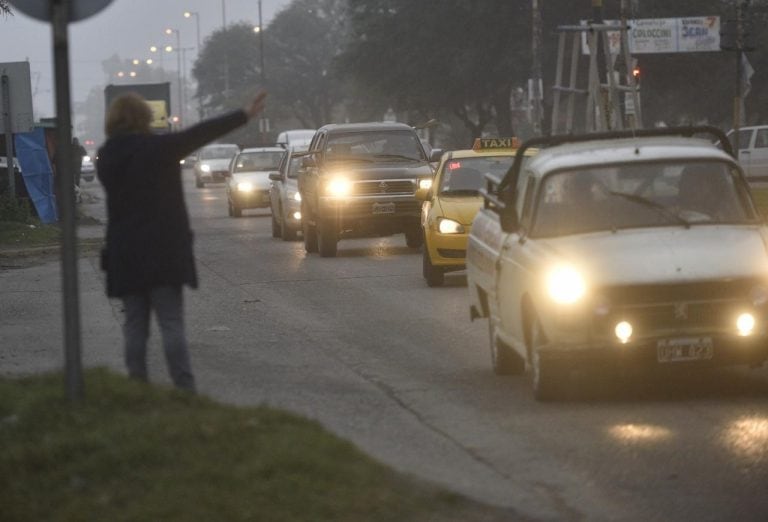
(295, 139)
(753, 151)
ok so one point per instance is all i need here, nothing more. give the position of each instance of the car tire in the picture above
(434, 275)
(547, 375)
(309, 232)
(235, 210)
(199, 183)
(414, 236)
(327, 238)
(287, 233)
(505, 360)
(276, 227)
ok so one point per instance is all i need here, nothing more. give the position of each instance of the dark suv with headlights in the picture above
(360, 179)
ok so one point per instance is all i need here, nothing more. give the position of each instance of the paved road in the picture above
(362, 345)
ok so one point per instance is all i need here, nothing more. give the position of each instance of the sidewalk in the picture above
(31, 303)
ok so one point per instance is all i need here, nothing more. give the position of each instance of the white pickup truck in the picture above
(639, 248)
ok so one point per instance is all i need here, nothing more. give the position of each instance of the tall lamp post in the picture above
(189, 14)
(179, 105)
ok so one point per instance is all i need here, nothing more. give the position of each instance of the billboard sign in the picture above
(17, 88)
(665, 35)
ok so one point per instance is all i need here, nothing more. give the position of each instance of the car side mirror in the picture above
(508, 219)
(275, 176)
(435, 155)
(308, 162)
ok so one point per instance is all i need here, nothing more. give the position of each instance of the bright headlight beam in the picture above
(745, 324)
(297, 196)
(565, 285)
(449, 226)
(338, 187)
(205, 168)
(425, 184)
(245, 186)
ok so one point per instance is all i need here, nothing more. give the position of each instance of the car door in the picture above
(745, 148)
(758, 155)
(276, 187)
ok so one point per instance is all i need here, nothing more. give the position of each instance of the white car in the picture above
(212, 163)
(285, 198)
(753, 151)
(88, 169)
(248, 181)
(613, 250)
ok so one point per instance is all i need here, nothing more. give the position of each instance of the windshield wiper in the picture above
(397, 156)
(347, 157)
(664, 211)
(456, 192)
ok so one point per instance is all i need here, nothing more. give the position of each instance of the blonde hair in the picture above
(128, 114)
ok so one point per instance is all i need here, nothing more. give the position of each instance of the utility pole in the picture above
(535, 88)
(734, 38)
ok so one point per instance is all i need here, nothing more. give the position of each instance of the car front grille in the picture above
(384, 187)
(652, 309)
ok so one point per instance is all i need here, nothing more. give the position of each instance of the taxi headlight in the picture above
(425, 184)
(745, 324)
(565, 285)
(296, 196)
(205, 168)
(449, 226)
(297, 215)
(88, 158)
(623, 331)
(245, 186)
(338, 187)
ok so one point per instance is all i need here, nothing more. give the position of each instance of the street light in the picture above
(170, 31)
(190, 14)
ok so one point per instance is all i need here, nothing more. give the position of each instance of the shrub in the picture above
(14, 209)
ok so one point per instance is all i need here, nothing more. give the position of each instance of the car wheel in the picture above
(236, 211)
(309, 232)
(287, 233)
(547, 375)
(199, 183)
(327, 238)
(504, 359)
(276, 232)
(414, 237)
(434, 275)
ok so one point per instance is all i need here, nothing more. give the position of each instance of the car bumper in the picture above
(447, 250)
(379, 208)
(697, 349)
(215, 176)
(251, 199)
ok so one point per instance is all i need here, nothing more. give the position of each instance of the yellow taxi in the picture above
(453, 200)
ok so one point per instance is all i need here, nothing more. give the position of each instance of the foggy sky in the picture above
(126, 28)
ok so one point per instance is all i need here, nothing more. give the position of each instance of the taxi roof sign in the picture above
(487, 144)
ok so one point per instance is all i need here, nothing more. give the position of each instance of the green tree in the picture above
(301, 44)
(435, 56)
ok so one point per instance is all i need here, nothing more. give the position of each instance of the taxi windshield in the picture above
(640, 195)
(466, 176)
(250, 161)
(391, 145)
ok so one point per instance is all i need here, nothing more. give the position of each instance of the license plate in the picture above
(685, 349)
(383, 208)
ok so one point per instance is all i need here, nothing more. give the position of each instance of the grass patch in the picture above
(16, 234)
(132, 451)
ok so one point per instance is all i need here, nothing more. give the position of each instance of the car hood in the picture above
(372, 171)
(665, 255)
(260, 179)
(461, 209)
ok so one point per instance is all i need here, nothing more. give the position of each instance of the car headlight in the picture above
(425, 184)
(245, 186)
(449, 226)
(86, 158)
(565, 285)
(296, 196)
(338, 187)
(205, 168)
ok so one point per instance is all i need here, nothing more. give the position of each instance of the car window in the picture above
(294, 167)
(467, 175)
(745, 137)
(218, 153)
(384, 145)
(761, 139)
(262, 160)
(640, 195)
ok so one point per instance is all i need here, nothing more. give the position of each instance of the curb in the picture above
(84, 245)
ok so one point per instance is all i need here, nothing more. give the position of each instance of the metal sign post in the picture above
(60, 13)
(6, 87)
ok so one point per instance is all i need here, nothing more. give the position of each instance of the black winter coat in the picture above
(149, 240)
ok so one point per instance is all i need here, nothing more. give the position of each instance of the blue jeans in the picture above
(167, 302)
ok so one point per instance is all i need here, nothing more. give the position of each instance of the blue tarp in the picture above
(37, 173)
